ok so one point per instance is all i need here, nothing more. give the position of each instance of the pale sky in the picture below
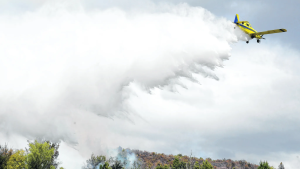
(168, 77)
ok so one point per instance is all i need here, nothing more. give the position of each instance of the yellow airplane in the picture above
(246, 27)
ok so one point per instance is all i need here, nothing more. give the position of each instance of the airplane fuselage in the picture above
(246, 27)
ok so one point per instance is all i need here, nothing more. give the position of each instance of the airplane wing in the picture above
(269, 32)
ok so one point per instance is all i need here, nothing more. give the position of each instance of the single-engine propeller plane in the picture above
(247, 28)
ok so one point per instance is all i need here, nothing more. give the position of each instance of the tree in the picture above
(159, 166)
(39, 156)
(117, 165)
(196, 166)
(17, 160)
(94, 161)
(5, 154)
(166, 166)
(281, 166)
(54, 158)
(104, 166)
(264, 165)
(182, 165)
(176, 163)
(206, 165)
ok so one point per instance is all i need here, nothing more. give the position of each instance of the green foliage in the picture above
(5, 154)
(196, 165)
(176, 163)
(206, 165)
(264, 165)
(54, 159)
(94, 161)
(39, 156)
(182, 165)
(117, 165)
(159, 166)
(17, 160)
(104, 166)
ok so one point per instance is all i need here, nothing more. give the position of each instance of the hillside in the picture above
(152, 159)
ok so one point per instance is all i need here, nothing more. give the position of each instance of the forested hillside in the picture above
(45, 153)
(152, 159)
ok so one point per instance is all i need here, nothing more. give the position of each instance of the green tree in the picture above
(206, 165)
(54, 158)
(5, 154)
(17, 160)
(176, 163)
(39, 156)
(94, 161)
(166, 166)
(104, 166)
(264, 165)
(182, 165)
(159, 166)
(196, 165)
(117, 165)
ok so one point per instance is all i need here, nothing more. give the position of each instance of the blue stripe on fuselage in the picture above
(247, 27)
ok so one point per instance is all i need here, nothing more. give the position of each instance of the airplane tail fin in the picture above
(236, 18)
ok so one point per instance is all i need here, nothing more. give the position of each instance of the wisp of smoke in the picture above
(62, 69)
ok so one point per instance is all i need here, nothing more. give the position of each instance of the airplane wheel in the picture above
(258, 41)
(247, 42)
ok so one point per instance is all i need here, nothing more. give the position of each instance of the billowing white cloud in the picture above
(58, 62)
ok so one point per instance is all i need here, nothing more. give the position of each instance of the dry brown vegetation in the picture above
(152, 159)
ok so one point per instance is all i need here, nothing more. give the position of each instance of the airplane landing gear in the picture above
(247, 42)
(258, 41)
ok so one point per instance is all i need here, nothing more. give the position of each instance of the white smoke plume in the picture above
(66, 72)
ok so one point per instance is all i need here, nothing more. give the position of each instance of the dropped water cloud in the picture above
(62, 69)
